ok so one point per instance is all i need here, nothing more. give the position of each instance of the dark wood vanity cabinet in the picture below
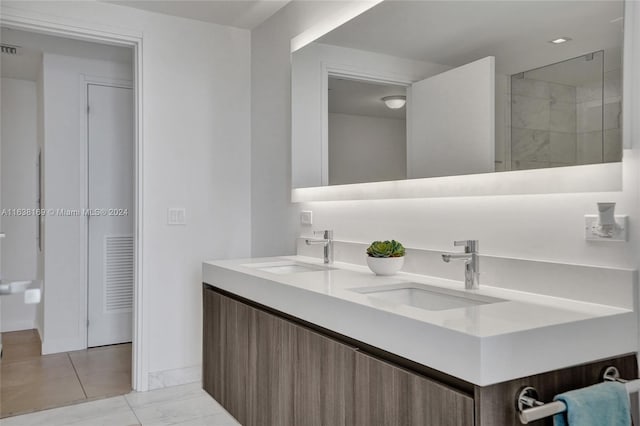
(244, 351)
(268, 369)
(226, 348)
(323, 380)
(388, 395)
(296, 376)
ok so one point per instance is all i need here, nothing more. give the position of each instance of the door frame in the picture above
(350, 73)
(85, 81)
(32, 21)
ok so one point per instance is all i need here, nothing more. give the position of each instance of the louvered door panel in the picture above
(118, 273)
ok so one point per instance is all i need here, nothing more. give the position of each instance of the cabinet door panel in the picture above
(212, 344)
(226, 353)
(323, 381)
(386, 395)
(272, 375)
(236, 362)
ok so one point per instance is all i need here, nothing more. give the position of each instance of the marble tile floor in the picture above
(184, 405)
(31, 382)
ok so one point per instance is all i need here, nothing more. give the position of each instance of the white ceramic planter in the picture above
(385, 265)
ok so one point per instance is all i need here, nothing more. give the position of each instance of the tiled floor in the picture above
(186, 405)
(31, 382)
(104, 371)
(20, 345)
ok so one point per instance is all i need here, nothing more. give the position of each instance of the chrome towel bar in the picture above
(530, 409)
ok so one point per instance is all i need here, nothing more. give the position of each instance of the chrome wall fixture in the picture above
(530, 409)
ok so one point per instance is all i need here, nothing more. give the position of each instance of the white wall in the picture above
(309, 69)
(546, 227)
(18, 191)
(65, 296)
(273, 217)
(196, 106)
(366, 149)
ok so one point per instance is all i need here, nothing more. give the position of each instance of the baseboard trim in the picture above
(175, 377)
(20, 325)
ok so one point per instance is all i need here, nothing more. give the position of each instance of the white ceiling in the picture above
(458, 32)
(235, 13)
(361, 98)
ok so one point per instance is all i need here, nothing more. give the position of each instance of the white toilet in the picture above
(31, 289)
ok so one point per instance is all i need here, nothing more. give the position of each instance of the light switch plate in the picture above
(176, 216)
(591, 232)
(306, 217)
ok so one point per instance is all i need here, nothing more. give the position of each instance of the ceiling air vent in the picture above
(9, 50)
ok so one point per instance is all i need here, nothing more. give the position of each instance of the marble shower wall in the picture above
(590, 148)
(543, 124)
(555, 124)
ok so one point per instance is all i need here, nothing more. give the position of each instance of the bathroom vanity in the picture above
(290, 341)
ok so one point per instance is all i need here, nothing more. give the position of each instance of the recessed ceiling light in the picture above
(560, 40)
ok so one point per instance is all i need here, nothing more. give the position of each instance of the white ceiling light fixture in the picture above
(560, 40)
(395, 102)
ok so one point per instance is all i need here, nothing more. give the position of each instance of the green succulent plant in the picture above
(387, 248)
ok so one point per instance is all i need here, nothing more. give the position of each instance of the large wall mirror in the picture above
(416, 89)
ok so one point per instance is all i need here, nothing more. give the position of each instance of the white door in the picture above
(451, 122)
(111, 220)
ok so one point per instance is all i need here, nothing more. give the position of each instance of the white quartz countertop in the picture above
(485, 344)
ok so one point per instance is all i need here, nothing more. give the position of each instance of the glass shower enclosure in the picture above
(566, 114)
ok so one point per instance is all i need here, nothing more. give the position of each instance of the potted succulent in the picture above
(385, 257)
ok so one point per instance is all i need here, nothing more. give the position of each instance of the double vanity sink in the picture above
(422, 296)
(482, 336)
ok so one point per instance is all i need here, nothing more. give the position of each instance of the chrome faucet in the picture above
(471, 262)
(327, 240)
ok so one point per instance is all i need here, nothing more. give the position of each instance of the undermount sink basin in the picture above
(287, 267)
(426, 297)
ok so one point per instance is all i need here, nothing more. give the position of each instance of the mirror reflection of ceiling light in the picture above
(395, 102)
(560, 40)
